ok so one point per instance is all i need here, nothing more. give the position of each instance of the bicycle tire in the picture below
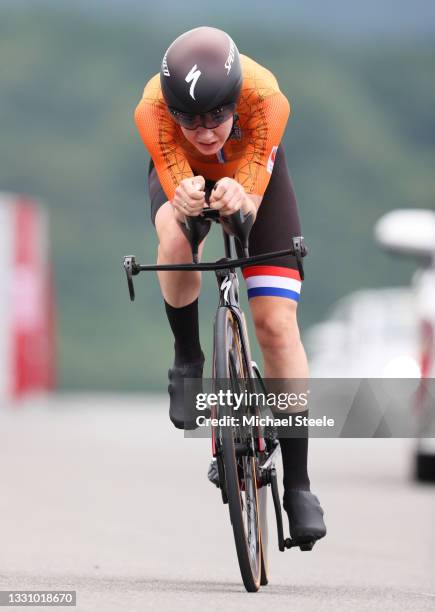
(264, 539)
(227, 348)
(262, 504)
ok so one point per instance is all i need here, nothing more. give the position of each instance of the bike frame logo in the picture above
(193, 76)
(225, 287)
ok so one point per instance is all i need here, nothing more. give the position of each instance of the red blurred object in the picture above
(27, 316)
(427, 348)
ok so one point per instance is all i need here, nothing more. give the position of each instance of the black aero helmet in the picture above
(201, 71)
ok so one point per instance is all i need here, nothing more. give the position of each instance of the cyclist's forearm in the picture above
(255, 199)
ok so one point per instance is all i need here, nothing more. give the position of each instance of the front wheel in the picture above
(240, 466)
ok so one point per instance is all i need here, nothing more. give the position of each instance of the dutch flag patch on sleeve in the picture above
(271, 160)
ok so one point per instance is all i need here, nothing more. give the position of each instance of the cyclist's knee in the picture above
(275, 323)
(172, 242)
(175, 248)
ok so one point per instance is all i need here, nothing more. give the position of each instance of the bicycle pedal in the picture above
(213, 473)
(304, 546)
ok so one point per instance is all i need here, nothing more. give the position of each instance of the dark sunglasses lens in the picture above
(219, 115)
(188, 121)
(208, 120)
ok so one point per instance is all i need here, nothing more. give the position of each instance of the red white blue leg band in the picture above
(274, 281)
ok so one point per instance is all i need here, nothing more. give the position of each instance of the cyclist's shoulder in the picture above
(152, 92)
(257, 79)
(150, 108)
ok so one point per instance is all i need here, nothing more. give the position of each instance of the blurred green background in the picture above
(360, 141)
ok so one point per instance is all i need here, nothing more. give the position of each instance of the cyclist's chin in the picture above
(208, 149)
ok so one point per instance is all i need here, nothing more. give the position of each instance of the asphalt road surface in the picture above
(99, 494)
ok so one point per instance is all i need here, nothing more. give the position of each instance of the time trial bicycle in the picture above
(244, 455)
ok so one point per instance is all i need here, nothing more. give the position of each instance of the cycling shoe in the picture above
(305, 515)
(182, 409)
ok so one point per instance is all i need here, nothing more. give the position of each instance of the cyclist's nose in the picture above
(205, 135)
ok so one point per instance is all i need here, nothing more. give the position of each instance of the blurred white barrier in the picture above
(27, 336)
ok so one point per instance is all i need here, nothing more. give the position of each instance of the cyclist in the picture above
(212, 121)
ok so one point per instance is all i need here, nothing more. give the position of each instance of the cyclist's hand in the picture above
(229, 196)
(189, 198)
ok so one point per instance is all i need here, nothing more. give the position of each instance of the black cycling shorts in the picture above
(276, 223)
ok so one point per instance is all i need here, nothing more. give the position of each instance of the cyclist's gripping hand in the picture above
(189, 198)
(229, 196)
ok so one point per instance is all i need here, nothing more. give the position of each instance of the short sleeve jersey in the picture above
(248, 154)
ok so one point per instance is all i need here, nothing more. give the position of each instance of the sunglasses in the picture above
(210, 120)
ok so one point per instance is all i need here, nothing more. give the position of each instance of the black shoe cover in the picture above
(305, 515)
(182, 410)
